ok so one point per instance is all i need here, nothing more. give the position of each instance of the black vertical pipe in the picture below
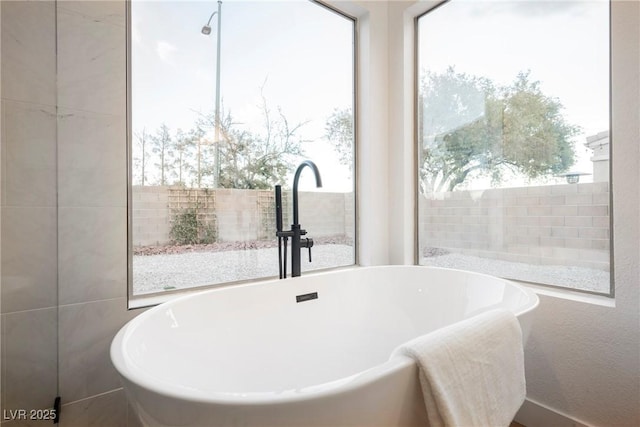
(279, 226)
(295, 251)
(278, 208)
(284, 261)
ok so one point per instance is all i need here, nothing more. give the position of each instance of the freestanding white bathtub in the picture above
(251, 355)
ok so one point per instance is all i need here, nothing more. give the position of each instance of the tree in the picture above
(141, 157)
(257, 160)
(249, 159)
(471, 127)
(339, 132)
(182, 145)
(161, 146)
(196, 144)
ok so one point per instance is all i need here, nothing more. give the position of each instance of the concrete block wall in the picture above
(323, 214)
(538, 225)
(150, 215)
(243, 215)
(350, 215)
(237, 215)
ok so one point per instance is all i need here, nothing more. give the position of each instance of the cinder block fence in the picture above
(541, 225)
(239, 215)
(535, 225)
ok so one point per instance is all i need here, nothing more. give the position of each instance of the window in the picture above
(513, 141)
(226, 99)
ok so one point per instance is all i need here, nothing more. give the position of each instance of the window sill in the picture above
(570, 295)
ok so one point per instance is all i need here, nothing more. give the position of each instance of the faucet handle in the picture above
(307, 243)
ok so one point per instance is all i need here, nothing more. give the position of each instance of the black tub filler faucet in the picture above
(296, 233)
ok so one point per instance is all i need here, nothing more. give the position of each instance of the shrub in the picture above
(188, 229)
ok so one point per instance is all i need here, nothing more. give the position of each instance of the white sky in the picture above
(565, 44)
(302, 51)
(305, 54)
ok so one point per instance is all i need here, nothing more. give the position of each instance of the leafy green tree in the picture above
(471, 127)
(339, 132)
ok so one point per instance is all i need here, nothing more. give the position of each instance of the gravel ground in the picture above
(585, 279)
(153, 273)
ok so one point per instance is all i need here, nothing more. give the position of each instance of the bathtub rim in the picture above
(141, 379)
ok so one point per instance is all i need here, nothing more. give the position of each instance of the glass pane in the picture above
(513, 140)
(227, 99)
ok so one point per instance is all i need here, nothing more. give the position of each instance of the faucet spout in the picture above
(296, 232)
(296, 178)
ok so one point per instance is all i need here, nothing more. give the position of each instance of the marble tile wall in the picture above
(28, 205)
(63, 210)
(92, 203)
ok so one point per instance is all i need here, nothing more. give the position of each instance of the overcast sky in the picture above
(564, 44)
(303, 56)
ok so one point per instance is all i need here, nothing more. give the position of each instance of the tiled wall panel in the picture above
(92, 204)
(86, 332)
(28, 205)
(63, 165)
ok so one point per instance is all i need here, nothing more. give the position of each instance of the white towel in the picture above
(472, 372)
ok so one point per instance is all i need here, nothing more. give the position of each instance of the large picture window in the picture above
(513, 141)
(226, 99)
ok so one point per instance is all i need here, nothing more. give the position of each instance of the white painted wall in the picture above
(401, 146)
(583, 360)
(372, 133)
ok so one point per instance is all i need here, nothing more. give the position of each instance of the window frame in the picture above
(416, 119)
(154, 298)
